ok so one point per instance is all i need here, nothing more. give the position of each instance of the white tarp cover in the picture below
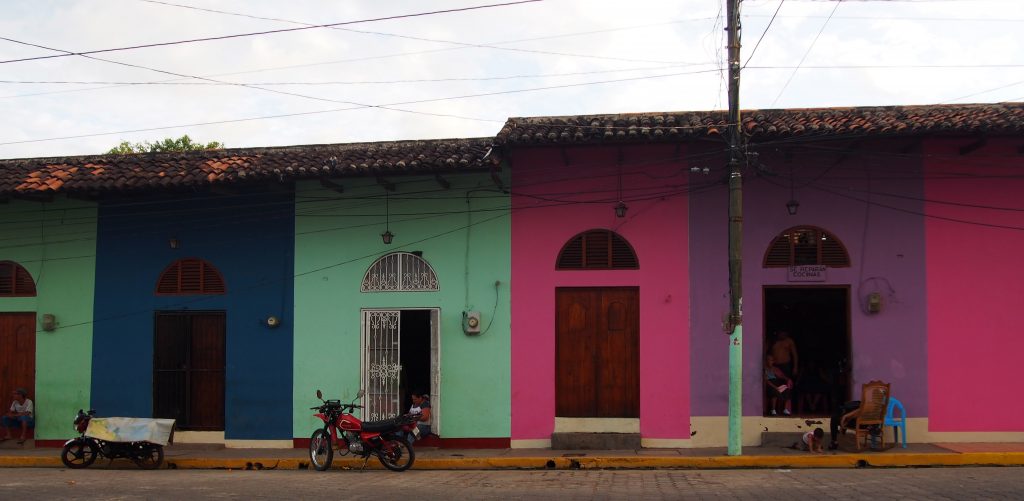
(126, 429)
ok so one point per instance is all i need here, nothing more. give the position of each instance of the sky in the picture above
(425, 74)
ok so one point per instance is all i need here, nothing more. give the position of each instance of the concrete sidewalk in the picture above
(183, 456)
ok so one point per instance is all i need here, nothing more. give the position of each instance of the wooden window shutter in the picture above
(806, 245)
(597, 250)
(15, 280)
(190, 276)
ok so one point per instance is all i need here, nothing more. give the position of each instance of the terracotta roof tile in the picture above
(101, 173)
(1001, 118)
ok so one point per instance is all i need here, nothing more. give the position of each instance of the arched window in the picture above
(806, 245)
(190, 276)
(399, 271)
(597, 250)
(15, 280)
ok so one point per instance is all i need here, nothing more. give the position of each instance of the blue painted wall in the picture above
(249, 238)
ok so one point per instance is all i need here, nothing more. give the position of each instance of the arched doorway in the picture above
(190, 350)
(17, 334)
(597, 332)
(400, 347)
(807, 319)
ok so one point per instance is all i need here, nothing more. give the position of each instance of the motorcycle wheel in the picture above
(149, 456)
(396, 455)
(79, 453)
(320, 451)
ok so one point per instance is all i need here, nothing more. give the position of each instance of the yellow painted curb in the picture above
(582, 462)
(30, 461)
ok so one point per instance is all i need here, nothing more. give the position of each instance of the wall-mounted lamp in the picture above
(173, 243)
(273, 321)
(792, 206)
(49, 322)
(620, 209)
(387, 236)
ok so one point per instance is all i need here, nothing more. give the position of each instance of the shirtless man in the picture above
(783, 350)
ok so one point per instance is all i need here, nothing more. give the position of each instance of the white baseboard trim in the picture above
(530, 444)
(597, 425)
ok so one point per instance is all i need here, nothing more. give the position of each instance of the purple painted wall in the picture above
(884, 236)
(556, 195)
(975, 285)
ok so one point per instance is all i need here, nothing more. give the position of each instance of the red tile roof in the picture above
(105, 173)
(1002, 118)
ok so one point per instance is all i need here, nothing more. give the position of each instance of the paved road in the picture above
(924, 484)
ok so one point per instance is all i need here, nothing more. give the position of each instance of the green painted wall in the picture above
(56, 243)
(338, 238)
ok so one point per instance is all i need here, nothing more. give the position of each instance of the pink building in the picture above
(876, 272)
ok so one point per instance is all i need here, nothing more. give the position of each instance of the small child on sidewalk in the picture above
(812, 441)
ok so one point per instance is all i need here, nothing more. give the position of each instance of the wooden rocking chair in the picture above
(869, 419)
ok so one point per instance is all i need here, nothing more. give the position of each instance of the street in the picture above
(127, 483)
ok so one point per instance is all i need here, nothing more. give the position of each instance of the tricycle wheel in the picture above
(149, 456)
(78, 453)
(321, 453)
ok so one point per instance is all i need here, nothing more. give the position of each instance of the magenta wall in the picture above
(975, 287)
(559, 193)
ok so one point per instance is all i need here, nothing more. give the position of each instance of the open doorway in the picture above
(415, 357)
(399, 356)
(817, 319)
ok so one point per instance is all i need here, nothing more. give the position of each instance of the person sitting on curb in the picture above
(19, 416)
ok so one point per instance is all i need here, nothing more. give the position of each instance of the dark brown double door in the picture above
(188, 369)
(597, 352)
(17, 356)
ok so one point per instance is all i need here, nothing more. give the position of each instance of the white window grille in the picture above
(399, 271)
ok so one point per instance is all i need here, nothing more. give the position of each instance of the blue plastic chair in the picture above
(899, 422)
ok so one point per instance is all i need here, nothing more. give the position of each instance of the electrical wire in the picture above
(424, 39)
(389, 106)
(813, 42)
(266, 32)
(763, 33)
(359, 59)
(334, 82)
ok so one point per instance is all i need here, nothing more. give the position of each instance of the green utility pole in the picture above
(734, 324)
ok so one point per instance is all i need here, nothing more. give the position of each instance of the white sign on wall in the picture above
(807, 273)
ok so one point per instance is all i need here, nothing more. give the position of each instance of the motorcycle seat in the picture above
(385, 425)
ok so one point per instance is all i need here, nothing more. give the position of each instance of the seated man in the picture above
(19, 416)
(841, 417)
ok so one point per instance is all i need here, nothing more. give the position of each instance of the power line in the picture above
(388, 106)
(267, 32)
(423, 39)
(763, 33)
(334, 82)
(823, 25)
(294, 94)
(368, 58)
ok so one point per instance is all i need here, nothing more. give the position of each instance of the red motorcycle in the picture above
(384, 439)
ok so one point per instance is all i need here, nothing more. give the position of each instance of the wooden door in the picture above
(17, 355)
(188, 369)
(597, 352)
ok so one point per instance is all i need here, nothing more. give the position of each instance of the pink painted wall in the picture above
(558, 194)
(975, 287)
